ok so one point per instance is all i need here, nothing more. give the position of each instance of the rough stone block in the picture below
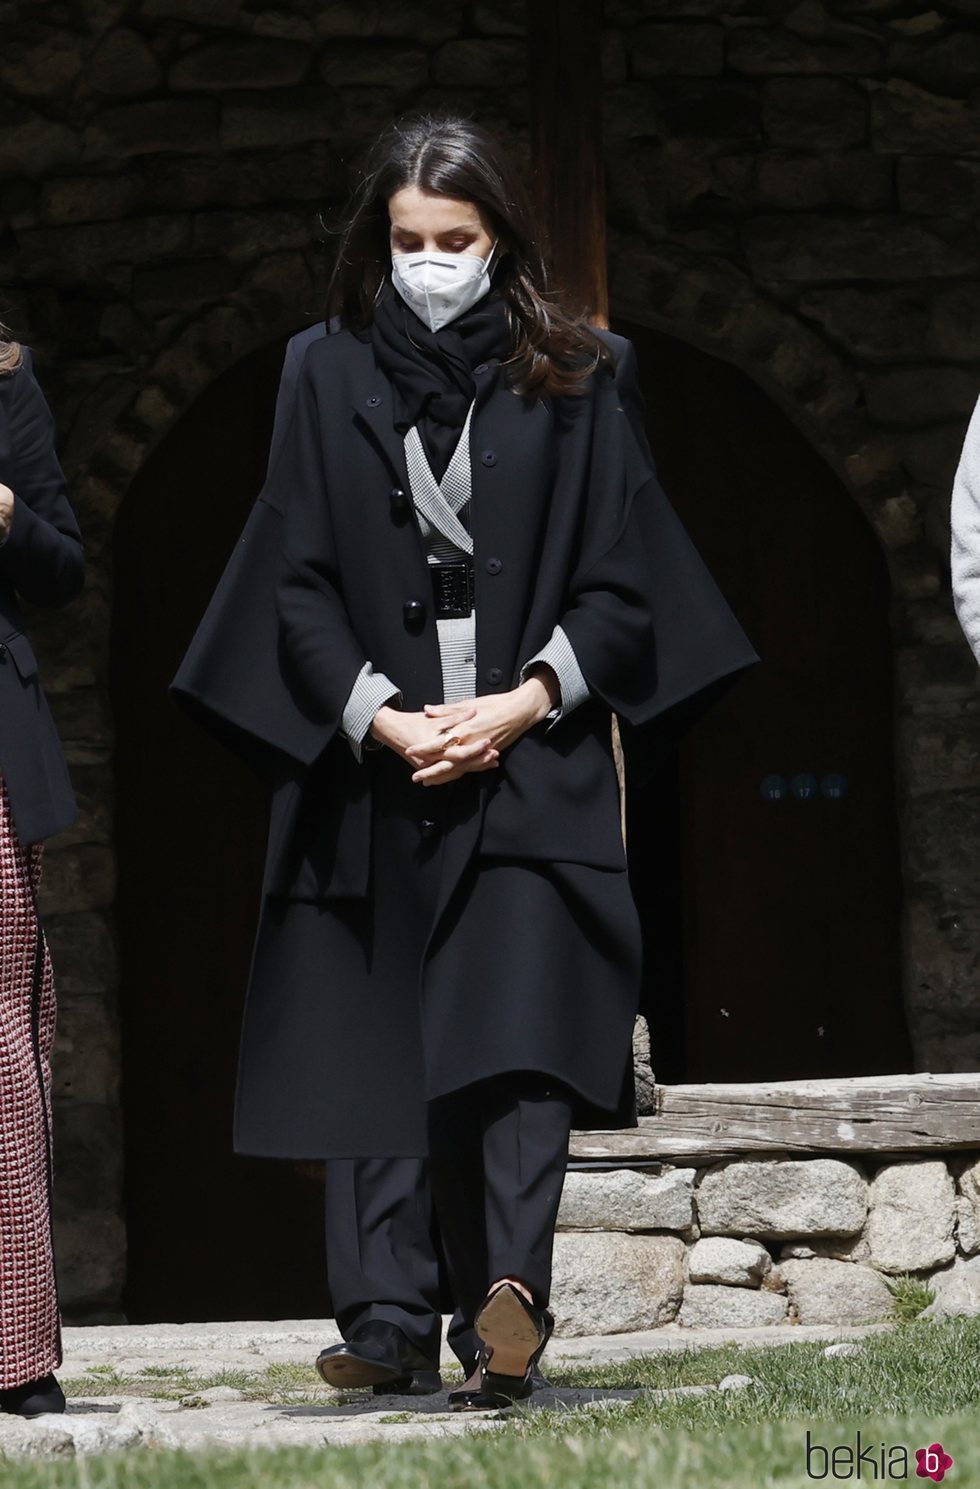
(122, 63)
(908, 396)
(709, 108)
(613, 1283)
(968, 1208)
(36, 146)
(936, 187)
(90, 1248)
(480, 63)
(244, 62)
(823, 1291)
(421, 20)
(778, 49)
(292, 117)
(83, 953)
(967, 1229)
(911, 121)
(824, 247)
(375, 66)
(82, 878)
(184, 283)
(501, 18)
(838, 1248)
(911, 1216)
(709, 1305)
(676, 49)
(727, 1260)
(782, 1198)
(627, 1200)
(85, 1064)
(71, 199)
(822, 113)
(956, 1289)
(182, 125)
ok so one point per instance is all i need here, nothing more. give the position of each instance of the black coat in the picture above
(42, 562)
(567, 505)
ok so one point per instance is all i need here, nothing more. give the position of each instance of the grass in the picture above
(911, 1295)
(280, 1385)
(917, 1384)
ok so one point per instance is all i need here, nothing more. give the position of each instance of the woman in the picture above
(447, 967)
(40, 561)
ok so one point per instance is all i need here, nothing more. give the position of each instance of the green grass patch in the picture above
(740, 1457)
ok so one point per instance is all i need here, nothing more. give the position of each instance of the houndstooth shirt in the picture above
(442, 511)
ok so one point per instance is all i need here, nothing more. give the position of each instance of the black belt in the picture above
(453, 588)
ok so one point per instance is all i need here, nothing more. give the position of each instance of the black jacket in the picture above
(569, 524)
(566, 498)
(42, 562)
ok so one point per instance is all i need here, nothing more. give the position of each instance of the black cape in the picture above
(567, 503)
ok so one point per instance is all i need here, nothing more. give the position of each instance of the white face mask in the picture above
(440, 286)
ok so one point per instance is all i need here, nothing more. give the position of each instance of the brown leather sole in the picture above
(347, 1371)
(509, 1332)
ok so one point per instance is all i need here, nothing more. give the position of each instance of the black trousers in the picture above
(487, 1194)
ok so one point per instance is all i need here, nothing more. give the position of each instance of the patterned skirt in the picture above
(30, 1334)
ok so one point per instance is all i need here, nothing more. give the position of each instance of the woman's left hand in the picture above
(500, 717)
(6, 510)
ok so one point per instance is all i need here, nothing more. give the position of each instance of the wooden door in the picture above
(767, 862)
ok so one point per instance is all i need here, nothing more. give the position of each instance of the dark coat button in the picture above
(3, 652)
(493, 565)
(488, 457)
(494, 675)
(427, 827)
(399, 501)
(413, 612)
(374, 400)
(483, 367)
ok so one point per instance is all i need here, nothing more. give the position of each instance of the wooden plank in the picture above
(565, 63)
(918, 1113)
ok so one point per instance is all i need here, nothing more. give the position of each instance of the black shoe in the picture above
(34, 1399)
(514, 1333)
(460, 1397)
(379, 1354)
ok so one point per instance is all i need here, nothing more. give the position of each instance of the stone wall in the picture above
(755, 1240)
(793, 195)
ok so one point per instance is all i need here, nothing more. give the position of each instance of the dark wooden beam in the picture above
(565, 84)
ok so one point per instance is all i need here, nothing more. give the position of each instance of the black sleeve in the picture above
(321, 656)
(41, 555)
(246, 674)
(652, 632)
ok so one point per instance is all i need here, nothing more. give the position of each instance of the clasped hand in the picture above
(484, 726)
(6, 510)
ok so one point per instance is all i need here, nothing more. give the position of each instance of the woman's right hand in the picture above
(403, 730)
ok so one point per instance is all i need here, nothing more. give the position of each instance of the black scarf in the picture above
(432, 371)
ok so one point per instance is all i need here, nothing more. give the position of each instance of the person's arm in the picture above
(371, 691)
(40, 548)
(323, 660)
(965, 535)
(651, 631)
(559, 655)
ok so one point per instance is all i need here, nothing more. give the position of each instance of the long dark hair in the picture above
(554, 350)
